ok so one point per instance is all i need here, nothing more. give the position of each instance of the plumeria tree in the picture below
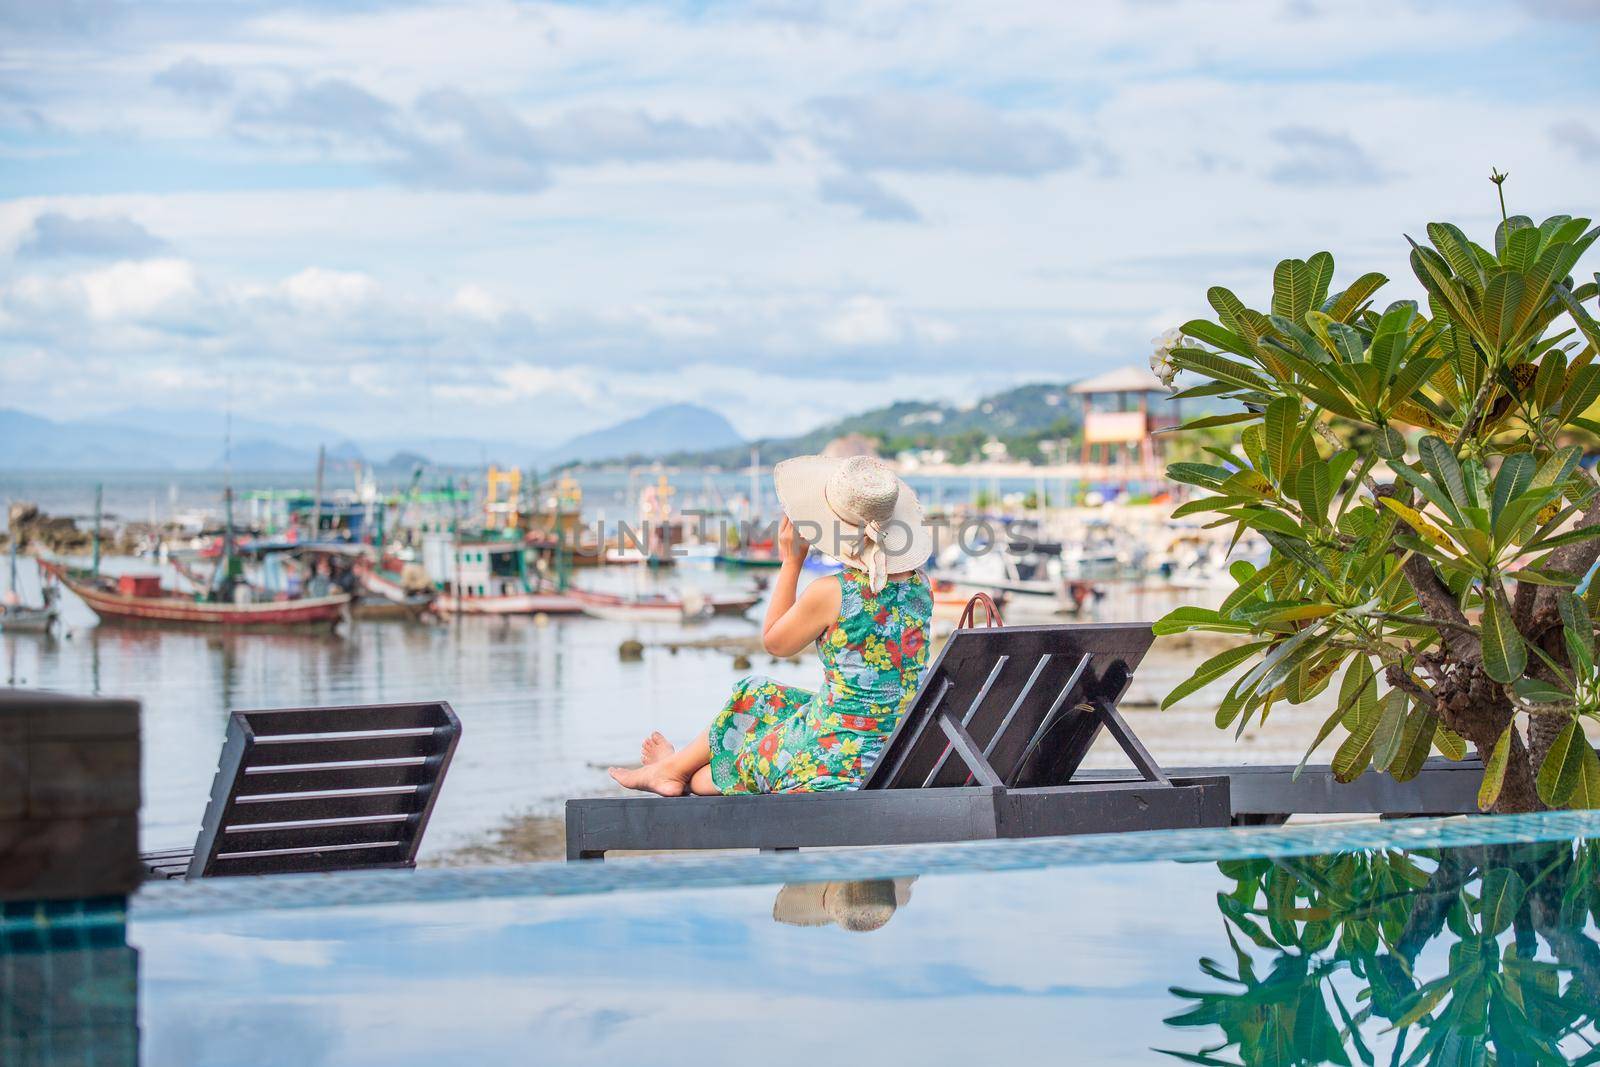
(1434, 530)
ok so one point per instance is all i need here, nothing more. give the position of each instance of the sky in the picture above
(525, 220)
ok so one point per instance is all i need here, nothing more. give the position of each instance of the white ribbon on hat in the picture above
(867, 553)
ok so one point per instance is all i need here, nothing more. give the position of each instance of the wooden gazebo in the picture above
(1122, 410)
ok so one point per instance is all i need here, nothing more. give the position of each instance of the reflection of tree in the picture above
(1345, 936)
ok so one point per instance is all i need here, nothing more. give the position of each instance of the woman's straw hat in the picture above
(857, 511)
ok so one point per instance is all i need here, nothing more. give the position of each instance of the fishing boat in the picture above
(487, 576)
(141, 600)
(662, 607)
(391, 588)
(17, 617)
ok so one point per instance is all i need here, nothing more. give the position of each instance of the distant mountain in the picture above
(29, 441)
(674, 428)
(214, 424)
(145, 439)
(1022, 416)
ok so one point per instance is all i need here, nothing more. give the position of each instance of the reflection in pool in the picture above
(860, 906)
(1459, 956)
(1483, 953)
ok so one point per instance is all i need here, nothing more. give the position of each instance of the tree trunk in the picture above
(1518, 793)
(1474, 705)
(1542, 733)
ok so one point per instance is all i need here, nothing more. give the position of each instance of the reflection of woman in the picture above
(855, 906)
(870, 626)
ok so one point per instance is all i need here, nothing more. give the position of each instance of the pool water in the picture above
(1449, 941)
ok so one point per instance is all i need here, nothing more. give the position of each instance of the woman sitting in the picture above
(870, 626)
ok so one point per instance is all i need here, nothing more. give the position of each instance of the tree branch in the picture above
(1436, 601)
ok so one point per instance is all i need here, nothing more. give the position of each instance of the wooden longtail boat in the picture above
(508, 604)
(154, 606)
(661, 607)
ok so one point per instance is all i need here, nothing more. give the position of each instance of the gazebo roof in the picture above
(1134, 379)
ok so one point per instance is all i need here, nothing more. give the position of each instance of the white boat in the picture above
(660, 607)
(17, 617)
(1035, 583)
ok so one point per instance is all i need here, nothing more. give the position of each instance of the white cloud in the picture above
(862, 320)
(132, 289)
(322, 290)
(477, 302)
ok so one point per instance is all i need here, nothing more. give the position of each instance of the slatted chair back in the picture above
(1016, 707)
(322, 789)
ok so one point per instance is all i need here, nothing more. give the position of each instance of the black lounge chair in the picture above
(320, 789)
(989, 749)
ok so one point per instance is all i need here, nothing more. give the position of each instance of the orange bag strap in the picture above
(990, 611)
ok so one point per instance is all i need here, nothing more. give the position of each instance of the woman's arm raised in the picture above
(794, 622)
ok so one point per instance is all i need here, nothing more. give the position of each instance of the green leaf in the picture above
(1356, 751)
(1416, 741)
(1457, 251)
(1503, 890)
(1292, 289)
(1391, 727)
(1450, 744)
(1581, 394)
(1521, 249)
(1439, 460)
(1281, 422)
(1564, 770)
(1514, 476)
(1347, 303)
(1578, 633)
(1538, 691)
(1494, 772)
(1219, 337)
(1313, 486)
(1391, 443)
(1179, 620)
(1505, 656)
(1212, 669)
(1320, 267)
(1501, 303)
(1586, 794)
(1208, 421)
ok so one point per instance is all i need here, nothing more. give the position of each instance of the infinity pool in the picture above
(1329, 944)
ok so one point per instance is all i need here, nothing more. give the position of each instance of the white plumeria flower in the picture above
(1161, 359)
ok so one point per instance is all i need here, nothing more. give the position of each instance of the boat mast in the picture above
(755, 484)
(225, 563)
(316, 505)
(98, 487)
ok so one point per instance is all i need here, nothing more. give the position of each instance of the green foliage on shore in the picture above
(1432, 529)
(1020, 418)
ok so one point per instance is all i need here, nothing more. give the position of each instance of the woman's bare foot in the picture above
(652, 778)
(655, 748)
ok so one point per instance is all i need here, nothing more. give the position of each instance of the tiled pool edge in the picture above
(164, 900)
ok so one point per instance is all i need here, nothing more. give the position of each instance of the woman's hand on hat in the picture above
(791, 546)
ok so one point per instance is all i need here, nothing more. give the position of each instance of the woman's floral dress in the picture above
(773, 738)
